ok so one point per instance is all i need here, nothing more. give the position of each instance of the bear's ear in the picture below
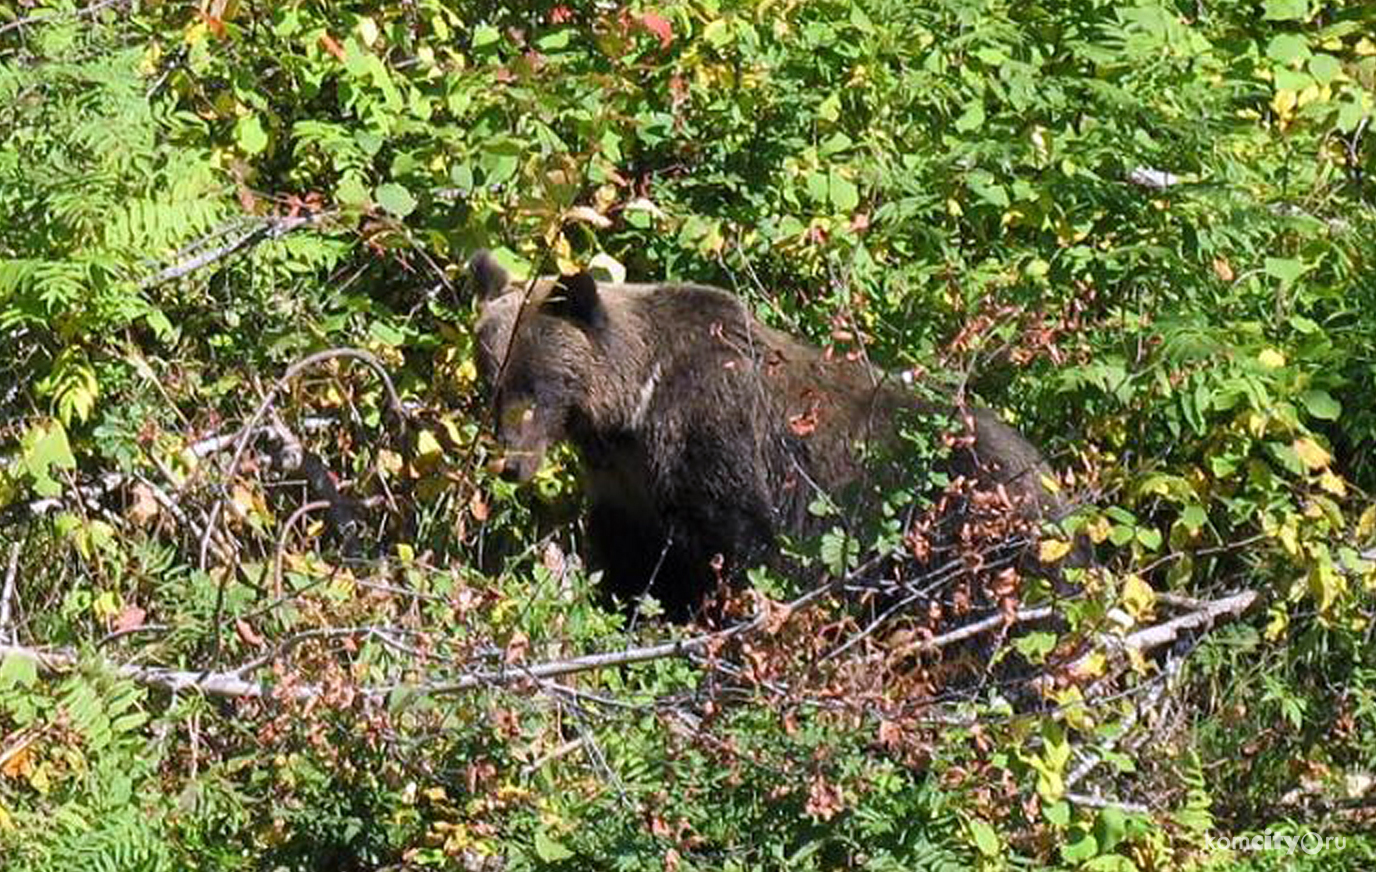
(576, 299)
(488, 275)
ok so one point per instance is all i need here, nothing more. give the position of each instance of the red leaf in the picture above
(659, 26)
(129, 619)
(247, 634)
(327, 42)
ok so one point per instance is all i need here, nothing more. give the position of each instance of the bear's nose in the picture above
(510, 470)
(518, 466)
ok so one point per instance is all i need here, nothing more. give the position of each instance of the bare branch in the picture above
(274, 228)
(7, 594)
(222, 684)
(1088, 801)
(247, 432)
(1204, 618)
(87, 12)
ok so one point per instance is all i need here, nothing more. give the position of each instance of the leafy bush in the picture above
(1141, 232)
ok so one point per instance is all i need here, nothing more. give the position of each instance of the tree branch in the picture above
(7, 594)
(273, 228)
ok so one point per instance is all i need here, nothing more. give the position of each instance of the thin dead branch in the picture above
(247, 432)
(7, 593)
(272, 228)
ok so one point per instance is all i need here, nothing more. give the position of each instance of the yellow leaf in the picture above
(1289, 538)
(1138, 597)
(107, 605)
(1271, 359)
(367, 31)
(1052, 550)
(1326, 585)
(428, 447)
(1276, 626)
(1309, 95)
(1333, 483)
(1073, 710)
(1366, 525)
(1284, 102)
(1091, 666)
(1311, 453)
(242, 500)
(1098, 530)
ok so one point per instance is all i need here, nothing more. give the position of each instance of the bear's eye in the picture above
(517, 413)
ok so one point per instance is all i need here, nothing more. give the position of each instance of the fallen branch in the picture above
(231, 683)
(1209, 612)
(222, 684)
(1158, 635)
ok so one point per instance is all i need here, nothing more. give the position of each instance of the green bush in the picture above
(1141, 233)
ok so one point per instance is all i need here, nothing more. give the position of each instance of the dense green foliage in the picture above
(1143, 232)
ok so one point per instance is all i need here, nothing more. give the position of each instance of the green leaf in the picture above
(1284, 268)
(161, 326)
(1035, 646)
(486, 35)
(1057, 813)
(830, 108)
(395, 199)
(972, 118)
(1110, 828)
(1321, 405)
(1149, 537)
(1324, 68)
(1286, 10)
(1287, 48)
(839, 551)
(1080, 850)
(548, 850)
(984, 837)
(351, 191)
(844, 195)
(1194, 517)
(45, 447)
(250, 135)
(555, 41)
(16, 670)
(387, 334)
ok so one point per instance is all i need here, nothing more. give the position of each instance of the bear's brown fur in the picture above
(705, 434)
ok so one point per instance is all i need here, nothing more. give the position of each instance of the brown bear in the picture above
(705, 435)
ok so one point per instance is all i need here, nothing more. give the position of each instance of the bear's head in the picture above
(540, 350)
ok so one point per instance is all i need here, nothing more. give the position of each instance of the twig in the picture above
(54, 16)
(223, 548)
(231, 683)
(7, 594)
(282, 541)
(562, 751)
(274, 228)
(251, 428)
